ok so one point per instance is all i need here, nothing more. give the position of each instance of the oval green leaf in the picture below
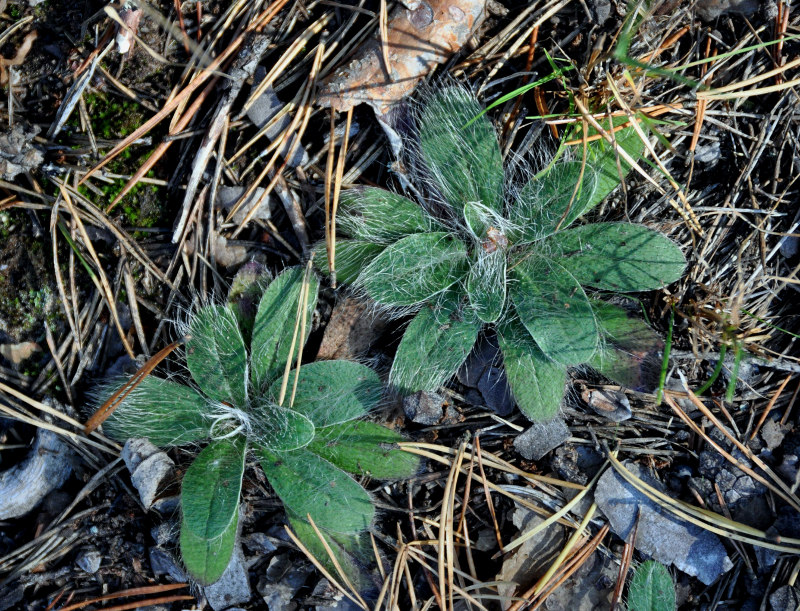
(330, 392)
(365, 448)
(619, 256)
(351, 257)
(207, 559)
(280, 429)
(414, 269)
(309, 484)
(651, 588)
(275, 323)
(555, 310)
(168, 414)
(486, 285)
(211, 488)
(377, 215)
(216, 355)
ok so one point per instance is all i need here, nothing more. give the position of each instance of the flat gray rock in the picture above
(541, 438)
(665, 538)
(228, 196)
(233, 588)
(149, 468)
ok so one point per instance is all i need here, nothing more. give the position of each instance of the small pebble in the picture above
(89, 561)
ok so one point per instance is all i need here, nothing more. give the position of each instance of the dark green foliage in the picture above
(651, 588)
(490, 254)
(306, 445)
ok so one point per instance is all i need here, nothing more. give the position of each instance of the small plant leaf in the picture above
(377, 215)
(480, 218)
(351, 257)
(550, 200)
(216, 355)
(414, 269)
(462, 154)
(651, 588)
(275, 322)
(309, 484)
(280, 429)
(555, 310)
(330, 392)
(536, 381)
(207, 559)
(435, 344)
(629, 350)
(486, 285)
(365, 448)
(247, 287)
(353, 552)
(211, 487)
(168, 414)
(610, 168)
(619, 256)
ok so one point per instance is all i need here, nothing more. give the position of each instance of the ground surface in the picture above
(723, 123)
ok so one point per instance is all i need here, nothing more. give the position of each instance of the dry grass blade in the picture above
(337, 187)
(299, 323)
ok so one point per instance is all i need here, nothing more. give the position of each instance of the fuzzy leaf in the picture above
(308, 484)
(651, 588)
(216, 356)
(619, 256)
(434, 346)
(609, 167)
(365, 448)
(275, 322)
(353, 552)
(330, 392)
(550, 200)
(555, 310)
(280, 429)
(486, 284)
(351, 257)
(464, 160)
(480, 218)
(168, 414)
(536, 381)
(630, 351)
(378, 215)
(211, 487)
(414, 269)
(207, 559)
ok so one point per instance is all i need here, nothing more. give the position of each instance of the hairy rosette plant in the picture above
(480, 251)
(301, 424)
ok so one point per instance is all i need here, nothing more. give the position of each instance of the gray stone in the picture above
(89, 560)
(424, 407)
(773, 433)
(228, 196)
(541, 438)
(281, 582)
(163, 562)
(661, 535)
(259, 543)
(785, 598)
(149, 468)
(233, 588)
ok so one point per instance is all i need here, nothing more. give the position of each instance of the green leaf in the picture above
(486, 284)
(353, 552)
(555, 310)
(211, 488)
(609, 167)
(168, 414)
(651, 588)
(629, 350)
(480, 218)
(435, 344)
(619, 256)
(280, 429)
(536, 381)
(207, 559)
(377, 215)
(247, 287)
(308, 484)
(550, 200)
(216, 356)
(365, 448)
(275, 322)
(330, 392)
(464, 160)
(351, 257)
(414, 269)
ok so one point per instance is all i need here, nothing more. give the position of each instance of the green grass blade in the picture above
(414, 269)
(618, 256)
(463, 156)
(275, 322)
(216, 355)
(211, 487)
(167, 413)
(308, 484)
(330, 392)
(555, 310)
(365, 448)
(433, 347)
(536, 381)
